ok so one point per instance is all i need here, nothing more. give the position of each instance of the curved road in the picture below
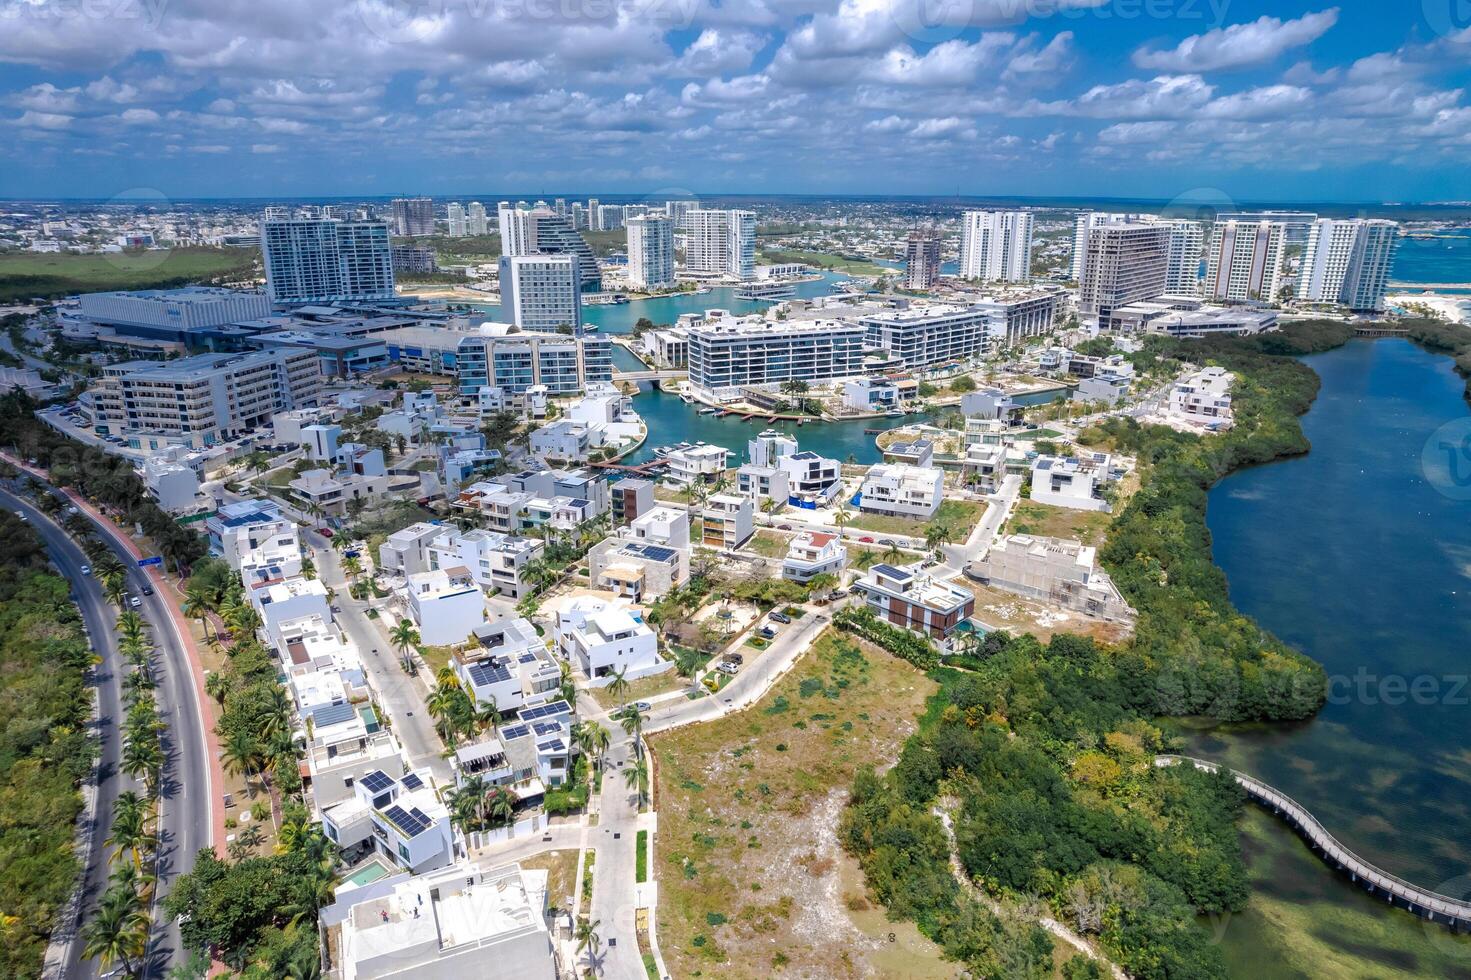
(184, 803)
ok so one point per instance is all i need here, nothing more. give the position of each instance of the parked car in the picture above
(780, 617)
(783, 527)
(642, 706)
(729, 668)
(866, 539)
(886, 542)
(21, 514)
(767, 633)
(325, 532)
(735, 658)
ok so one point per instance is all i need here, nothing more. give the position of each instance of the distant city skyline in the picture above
(1294, 101)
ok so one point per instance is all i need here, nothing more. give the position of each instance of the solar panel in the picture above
(578, 502)
(412, 822)
(488, 673)
(546, 727)
(890, 571)
(332, 714)
(515, 731)
(377, 781)
(544, 711)
(653, 552)
(412, 781)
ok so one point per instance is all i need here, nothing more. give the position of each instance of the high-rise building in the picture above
(321, 260)
(610, 217)
(1244, 261)
(456, 220)
(414, 258)
(1123, 263)
(651, 251)
(720, 244)
(677, 210)
(413, 217)
(1296, 223)
(729, 357)
(996, 245)
(592, 215)
(1182, 272)
(578, 218)
(1083, 229)
(541, 231)
(1347, 261)
(541, 292)
(560, 206)
(476, 222)
(922, 259)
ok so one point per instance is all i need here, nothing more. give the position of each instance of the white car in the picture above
(20, 514)
(86, 569)
(134, 601)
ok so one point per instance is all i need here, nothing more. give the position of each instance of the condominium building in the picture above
(650, 252)
(996, 245)
(900, 490)
(912, 600)
(631, 498)
(541, 292)
(1182, 268)
(540, 230)
(414, 258)
(678, 212)
(922, 259)
(204, 399)
(1083, 228)
(1012, 318)
(726, 356)
(931, 334)
(1062, 572)
(476, 221)
(494, 560)
(1298, 224)
(413, 217)
(515, 363)
(1347, 262)
(726, 521)
(1245, 260)
(1123, 263)
(457, 223)
(1204, 398)
(326, 260)
(720, 244)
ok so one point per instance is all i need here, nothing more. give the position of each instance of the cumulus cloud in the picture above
(1239, 45)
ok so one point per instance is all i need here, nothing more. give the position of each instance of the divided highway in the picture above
(184, 806)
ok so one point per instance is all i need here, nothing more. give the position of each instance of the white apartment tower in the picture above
(1182, 272)
(1244, 261)
(456, 220)
(541, 231)
(325, 260)
(476, 221)
(996, 245)
(1347, 261)
(721, 244)
(541, 292)
(651, 251)
(1123, 263)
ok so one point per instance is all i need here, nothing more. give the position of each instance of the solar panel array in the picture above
(332, 714)
(889, 571)
(488, 673)
(377, 781)
(412, 781)
(653, 552)
(412, 822)
(544, 711)
(514, 731)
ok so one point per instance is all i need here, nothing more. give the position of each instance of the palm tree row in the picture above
(478, 805)
(456, 714)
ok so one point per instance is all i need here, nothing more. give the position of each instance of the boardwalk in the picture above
(1448, 911)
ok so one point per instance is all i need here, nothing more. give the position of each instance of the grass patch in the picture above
(587, 874)
(1087, 526)
(960, 515)
(642, 868)
(769, 544)
(756, 782)
(825, 260)
(561, 869)
(23, 275)
(641, 689)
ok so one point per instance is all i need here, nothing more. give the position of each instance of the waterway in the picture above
(1351, 555)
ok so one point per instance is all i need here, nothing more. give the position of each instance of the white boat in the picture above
(894, 413)
(687, 398)
(707, 410)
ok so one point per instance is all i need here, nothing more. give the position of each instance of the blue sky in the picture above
(1209, 100)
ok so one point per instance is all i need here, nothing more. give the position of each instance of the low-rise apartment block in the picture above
(726, 521)
(607, 638)
(1064, 573)
(912, 600)
(899, 490)
(726, 357)
(813, 553)
(1072, 481)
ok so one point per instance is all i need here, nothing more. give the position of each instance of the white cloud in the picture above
(718, 51)
(265, 148)
(1239, 45)
(30, 119)
(1055, 57)
(1163, 97)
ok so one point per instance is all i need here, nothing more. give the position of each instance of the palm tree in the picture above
(636, 776)
(403, 636)
(587, 935)
(619, 685)
(142, 760)
(632, 721)
(487, 715)
(308, 568)
(217, 686)
(113, 583)
(352, 567)
(116, 934)
(501, 805)
(892, 553)
(937, 534)
(441, 705)
(238, 753)
(841, 516)
(196, 605)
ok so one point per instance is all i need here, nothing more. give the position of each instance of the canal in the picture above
(1351, 555)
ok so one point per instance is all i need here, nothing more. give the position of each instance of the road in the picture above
(957, 556)
(98, 616)
(185, 815)
(398, 693)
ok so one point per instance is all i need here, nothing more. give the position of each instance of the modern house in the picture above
(908, 598)
(726, 521)
(605, 638)
(813, 553)
(900, 490)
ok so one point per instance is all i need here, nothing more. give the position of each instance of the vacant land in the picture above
(640, 689)
(752, 880)
(836, 263)
(1016, 614)
(769, 544)
(960, 515)
(1030, 517)
(561, 868)
(23, 275)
